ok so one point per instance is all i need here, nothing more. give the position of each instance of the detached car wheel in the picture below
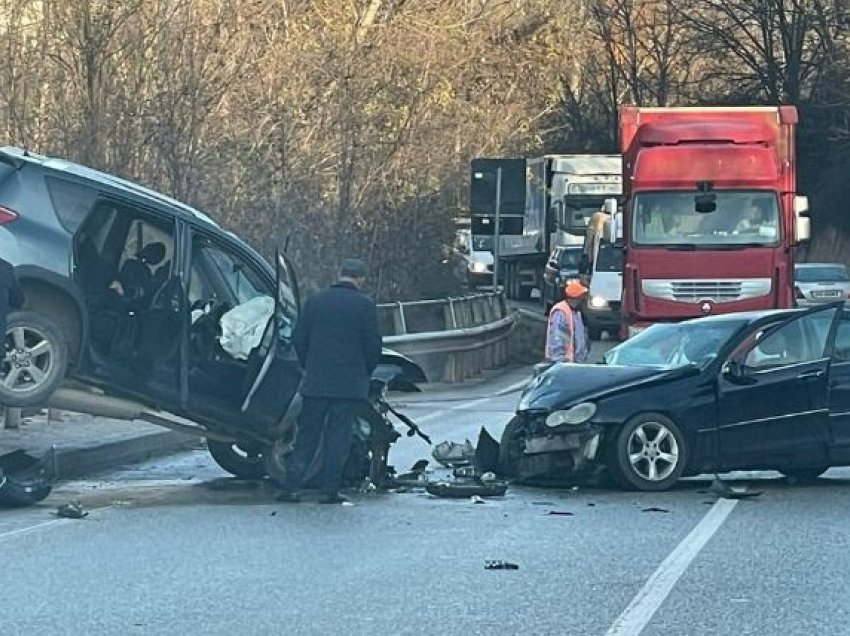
(35, 360)
(240, 460)
(649, 453)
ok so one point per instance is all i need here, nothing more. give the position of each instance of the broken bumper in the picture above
(554, 454)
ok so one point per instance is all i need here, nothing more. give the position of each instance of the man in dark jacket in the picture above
(339, 345)
(11, 296)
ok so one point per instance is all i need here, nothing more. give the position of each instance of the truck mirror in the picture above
(610, 206)
(801, 204)
(802, 228)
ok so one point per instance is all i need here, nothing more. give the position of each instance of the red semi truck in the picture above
(710, 212)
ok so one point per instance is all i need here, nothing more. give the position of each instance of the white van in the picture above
(602, 310)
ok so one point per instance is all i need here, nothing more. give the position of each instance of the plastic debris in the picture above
(71, 510)
(347, 503)
(724, 490)
(24, 480)
(500, 565)
(476, 499)
(420, 466)
(466, 489)
(452, 454)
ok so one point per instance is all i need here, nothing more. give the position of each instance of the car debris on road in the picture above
(24, 479)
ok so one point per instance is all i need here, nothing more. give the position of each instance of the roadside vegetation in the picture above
(349, 125)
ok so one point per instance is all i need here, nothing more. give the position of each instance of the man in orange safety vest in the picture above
(566, 336)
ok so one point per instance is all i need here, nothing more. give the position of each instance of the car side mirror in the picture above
(736, 373)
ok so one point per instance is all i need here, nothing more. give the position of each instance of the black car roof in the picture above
(18, 155)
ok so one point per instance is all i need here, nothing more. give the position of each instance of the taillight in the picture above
(798, 294)
(7, 215)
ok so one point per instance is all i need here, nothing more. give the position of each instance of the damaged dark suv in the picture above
(138, 304)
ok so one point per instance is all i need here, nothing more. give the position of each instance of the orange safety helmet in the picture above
(574, 289)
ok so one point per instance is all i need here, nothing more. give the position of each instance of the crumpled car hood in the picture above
(566, 384)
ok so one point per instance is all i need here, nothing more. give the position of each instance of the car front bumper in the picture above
(605, 318)
(561, 454)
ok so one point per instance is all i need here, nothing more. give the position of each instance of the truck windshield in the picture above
(569, 259)
(741, 218)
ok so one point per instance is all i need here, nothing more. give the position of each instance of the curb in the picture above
(84, 461)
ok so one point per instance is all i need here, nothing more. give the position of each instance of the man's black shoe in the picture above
(288, 497)
(334, 498)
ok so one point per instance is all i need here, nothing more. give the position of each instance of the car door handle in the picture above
(814, 373)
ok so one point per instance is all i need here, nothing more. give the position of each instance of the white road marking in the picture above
(43, 524)
(467, 405)
(640, 611)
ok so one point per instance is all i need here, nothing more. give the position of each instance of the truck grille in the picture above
(724, 290)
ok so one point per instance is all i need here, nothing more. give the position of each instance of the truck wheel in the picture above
(595, 332)
(242, 460)
(35, 360)
(649, 453)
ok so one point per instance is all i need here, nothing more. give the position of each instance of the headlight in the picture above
(578, 414)
(597, 302)
(478, 267)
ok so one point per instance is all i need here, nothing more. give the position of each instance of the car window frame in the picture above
(736, 357)
(212, 266)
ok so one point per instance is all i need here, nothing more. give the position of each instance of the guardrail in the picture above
(451, 338)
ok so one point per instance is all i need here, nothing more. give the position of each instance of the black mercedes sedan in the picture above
(745, 391)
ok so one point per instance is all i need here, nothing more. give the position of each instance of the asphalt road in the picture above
(176, 547)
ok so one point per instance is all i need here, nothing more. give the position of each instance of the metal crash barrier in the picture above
(451, 338)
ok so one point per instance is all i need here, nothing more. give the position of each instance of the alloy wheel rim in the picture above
(653, 451)
(28, 359)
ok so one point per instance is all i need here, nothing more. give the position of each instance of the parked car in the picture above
(740, 391)
(562, 266)
(134, 300)
(816, 283)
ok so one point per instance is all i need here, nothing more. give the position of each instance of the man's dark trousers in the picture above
(329, 418)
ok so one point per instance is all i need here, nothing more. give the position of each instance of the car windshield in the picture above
(609, 258)
(674, 345)
(822, 274)
(740, 218)
(569, 259)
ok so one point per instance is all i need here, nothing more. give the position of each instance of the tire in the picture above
(641, 460)
(244, 461)
(805, 475)
(594, 332)
(35, 360)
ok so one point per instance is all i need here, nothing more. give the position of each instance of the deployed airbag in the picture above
(242, 327)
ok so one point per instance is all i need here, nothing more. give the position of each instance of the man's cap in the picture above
(575, 289)
(353, 268)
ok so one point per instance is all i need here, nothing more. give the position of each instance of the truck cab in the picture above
(710, 211)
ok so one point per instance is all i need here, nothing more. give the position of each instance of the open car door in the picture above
(279, 375)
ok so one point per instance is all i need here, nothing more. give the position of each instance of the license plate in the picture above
(826, 294)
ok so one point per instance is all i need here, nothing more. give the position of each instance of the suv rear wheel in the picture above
(35, 360)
